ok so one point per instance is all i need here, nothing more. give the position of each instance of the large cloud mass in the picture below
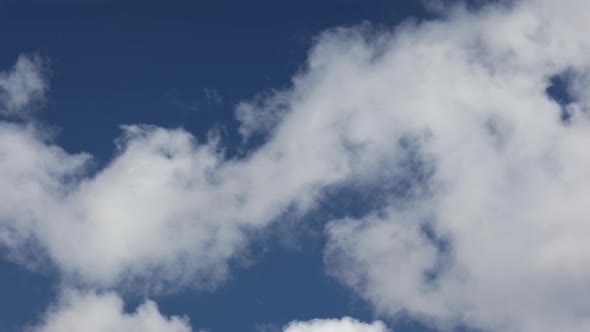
(496, 235)
(490, 229)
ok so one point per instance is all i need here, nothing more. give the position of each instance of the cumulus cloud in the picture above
(496, 236)
(489, 231)
(90, 311)
(93, 312)
(166, 210)
(21, 86)
(345, 324)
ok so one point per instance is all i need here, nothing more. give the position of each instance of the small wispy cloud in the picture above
(22, 86)
(212, 96)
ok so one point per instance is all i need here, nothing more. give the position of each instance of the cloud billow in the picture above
(95, 312)
(345, 324)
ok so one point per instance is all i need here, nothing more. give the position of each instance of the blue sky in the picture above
(354, 166)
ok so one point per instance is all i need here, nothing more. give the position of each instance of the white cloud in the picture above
(493, 234)
(92, 312)
(167, 210)
(499, 240)
(345, 324)
(21, 86)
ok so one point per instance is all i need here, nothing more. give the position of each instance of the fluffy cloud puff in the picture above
(345, 324)
(21, 86)
(89, 311)
(92, 312)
